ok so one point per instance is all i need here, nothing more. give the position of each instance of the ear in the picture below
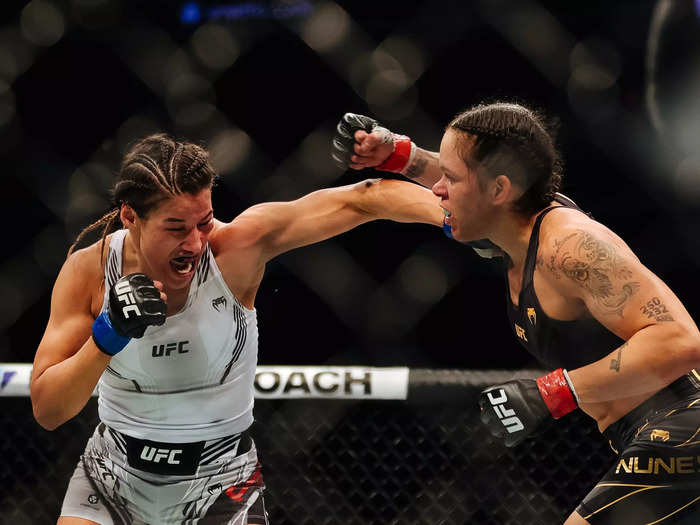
(501, 189)
(127, 216)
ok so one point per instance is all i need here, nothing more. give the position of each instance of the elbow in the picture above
(693, 350)
(47, 418)
(45, 421)
(363, 199)
(686, 348)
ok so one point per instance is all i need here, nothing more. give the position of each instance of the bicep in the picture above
(70, 320)
(311, 219)
(276, 227)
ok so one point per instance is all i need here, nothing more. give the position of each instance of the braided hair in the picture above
(512, 140)
(154, 169)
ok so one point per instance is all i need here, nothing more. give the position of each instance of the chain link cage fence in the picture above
(426, 459)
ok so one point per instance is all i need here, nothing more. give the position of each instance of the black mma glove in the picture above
(344, 140)
(515, 409)
(134, 304)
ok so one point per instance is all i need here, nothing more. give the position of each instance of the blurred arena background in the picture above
(262, 85)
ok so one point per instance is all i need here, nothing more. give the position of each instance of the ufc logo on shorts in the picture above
(155, 455)
(125, 295)
(506, 415)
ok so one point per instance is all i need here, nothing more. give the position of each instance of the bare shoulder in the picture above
(82, 277)
(586, 259)
(243, 232)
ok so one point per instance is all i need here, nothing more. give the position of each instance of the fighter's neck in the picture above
(512, 235)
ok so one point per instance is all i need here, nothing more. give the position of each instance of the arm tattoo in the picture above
(416, 168)
(615, 361)
(655, 309)
(595, 266)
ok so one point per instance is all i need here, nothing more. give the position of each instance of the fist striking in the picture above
(134, 304)
(361, 142)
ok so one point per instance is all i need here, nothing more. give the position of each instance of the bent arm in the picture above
(371, 150)
(663, 342)
(283, 226)
(67, 364)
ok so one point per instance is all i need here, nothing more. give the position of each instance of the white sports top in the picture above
(190, 379)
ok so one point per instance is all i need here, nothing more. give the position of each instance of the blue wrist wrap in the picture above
(106, 339)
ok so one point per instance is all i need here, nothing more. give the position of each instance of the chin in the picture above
(177, 282)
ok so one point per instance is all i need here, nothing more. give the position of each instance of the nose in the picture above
(194, 241)
(439, 188)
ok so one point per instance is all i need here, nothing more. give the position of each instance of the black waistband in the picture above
(624, 429)
(176, 459)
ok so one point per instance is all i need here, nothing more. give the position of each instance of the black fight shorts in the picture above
(656, 475)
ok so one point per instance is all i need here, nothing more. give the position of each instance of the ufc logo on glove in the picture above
(530, 403)
(506, 415)
(126, 295)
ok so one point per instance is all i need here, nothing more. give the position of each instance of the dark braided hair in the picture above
(154, 169)
(512, 140)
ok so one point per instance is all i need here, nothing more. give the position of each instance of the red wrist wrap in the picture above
(556, 393)
(402, 152)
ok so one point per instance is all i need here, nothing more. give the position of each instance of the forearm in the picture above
(651, 359)
(63, 389)
(399, 201)
(424, 168)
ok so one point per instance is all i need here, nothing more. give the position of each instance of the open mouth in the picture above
(183, 265)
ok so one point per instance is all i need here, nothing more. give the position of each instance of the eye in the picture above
(206, 226)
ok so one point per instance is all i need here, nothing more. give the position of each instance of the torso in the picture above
(557, 329)
(200, 363)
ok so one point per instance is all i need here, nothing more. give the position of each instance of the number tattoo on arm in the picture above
(656, 309)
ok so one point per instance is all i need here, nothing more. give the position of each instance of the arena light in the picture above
(327, 28)
(228, 149)
(432, 285)
(192, 12)
(17, 54)
(534, 32)
(215, 47)
(317, 166)
(42, 23)
(592, 87)
(595, 64)
(134, 128)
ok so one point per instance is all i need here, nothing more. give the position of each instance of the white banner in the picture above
(338, 382)
(278, 382)
(14, 379)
